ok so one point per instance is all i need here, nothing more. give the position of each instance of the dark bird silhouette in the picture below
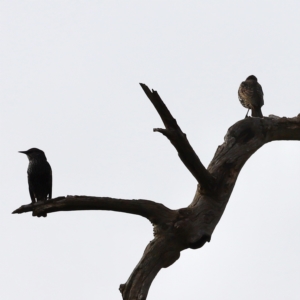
(251, 96)
(39, 175)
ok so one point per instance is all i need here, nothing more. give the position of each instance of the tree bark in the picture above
(192, 226)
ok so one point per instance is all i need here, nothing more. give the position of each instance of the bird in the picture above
(251, 96)
(39, 175)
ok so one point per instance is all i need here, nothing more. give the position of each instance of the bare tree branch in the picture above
(180, 141)
(193, 226)
(156, 213)
(282, 129)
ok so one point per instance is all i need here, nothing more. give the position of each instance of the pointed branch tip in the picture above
(161, 130)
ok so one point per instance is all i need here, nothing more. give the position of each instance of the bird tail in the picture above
(256, 112)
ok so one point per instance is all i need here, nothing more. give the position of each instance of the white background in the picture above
(69, 86)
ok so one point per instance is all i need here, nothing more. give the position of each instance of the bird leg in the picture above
(247, 113)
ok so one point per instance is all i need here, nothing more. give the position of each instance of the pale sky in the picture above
(69, 86)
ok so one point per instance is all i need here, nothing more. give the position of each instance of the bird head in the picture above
(34, 153)
(251, 77)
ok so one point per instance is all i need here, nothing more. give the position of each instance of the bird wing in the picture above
(50, 184)
(261, 93)
(31, 194)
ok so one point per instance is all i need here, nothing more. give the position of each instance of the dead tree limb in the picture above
(192, 226)
(179, 141)
(156, 213)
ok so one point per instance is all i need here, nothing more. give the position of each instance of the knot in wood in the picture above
(169, 258)
(199, 240)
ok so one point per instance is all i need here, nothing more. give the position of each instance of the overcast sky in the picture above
(69, 86)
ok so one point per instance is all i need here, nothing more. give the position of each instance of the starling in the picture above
(251, 96)
(39, 175)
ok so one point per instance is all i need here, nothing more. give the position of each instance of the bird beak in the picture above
(24, 152)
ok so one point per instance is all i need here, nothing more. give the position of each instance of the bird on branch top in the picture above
(251, 96)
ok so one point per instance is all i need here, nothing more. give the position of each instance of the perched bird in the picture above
(251, 96)
(39, 175)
